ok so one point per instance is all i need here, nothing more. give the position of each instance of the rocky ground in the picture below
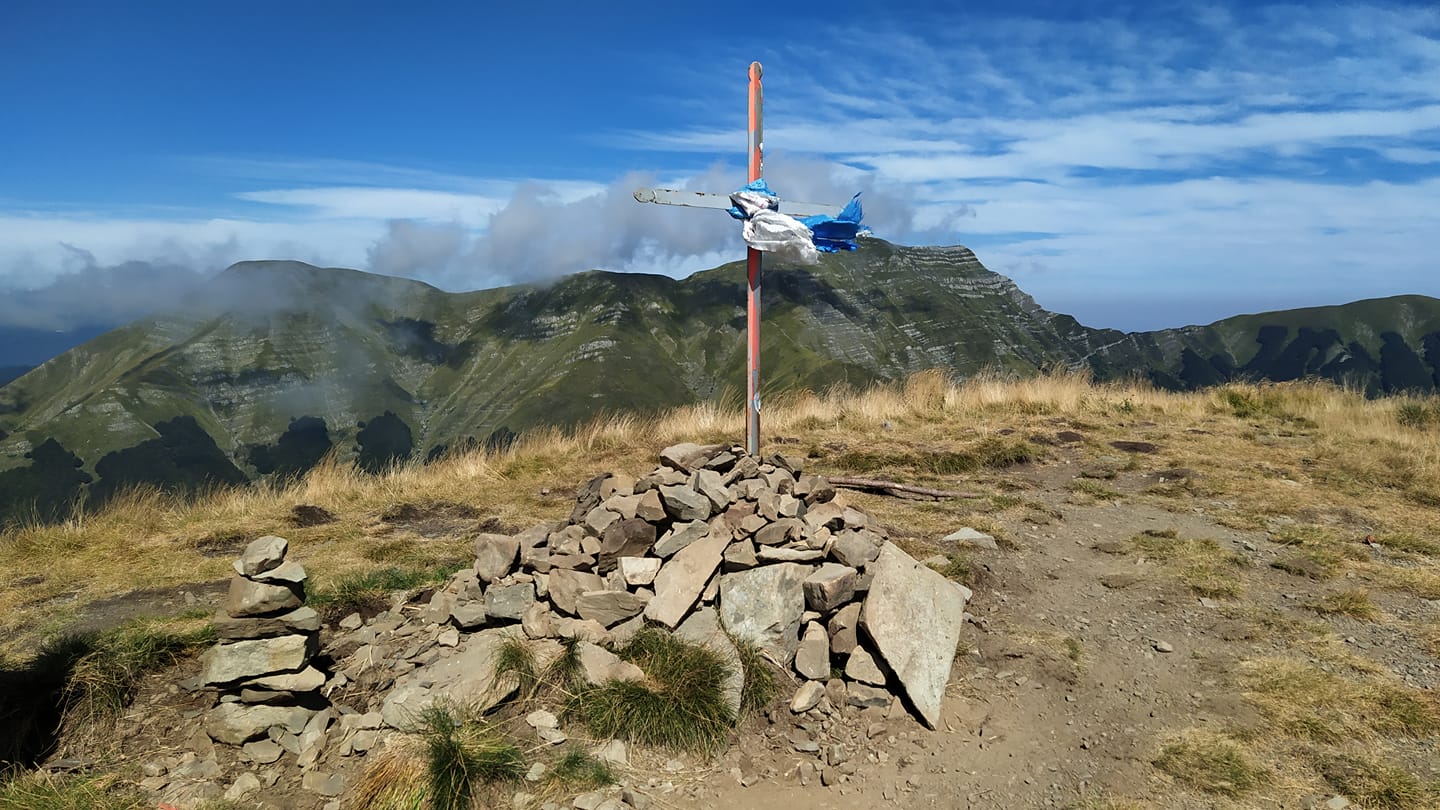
(1130, 609)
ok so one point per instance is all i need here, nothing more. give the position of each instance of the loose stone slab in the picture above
(831, 586)
(682, 579)
(598, 665)
(680, 536)
(650, 507)
(306, 680)
(624, 538)
(262, 555)
(856, 548)
(253, 658)
(807, 696)
(609, 608)
(969, 537)
(566, 587)
(687, 456)
(286, 572)
(638, 570)
(239, 723)
(495, 555)
(862, 667)
(844, 629)
(464, 678)
(250, 598)
(914, 616)
(300, 620)
(812, 660)
(509, 601)
(763, 606)
(774, 554)
(683, 503)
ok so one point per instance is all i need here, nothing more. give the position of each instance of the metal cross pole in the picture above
(756, 149)
(703, 199)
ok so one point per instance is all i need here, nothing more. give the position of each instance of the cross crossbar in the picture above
(705, 199)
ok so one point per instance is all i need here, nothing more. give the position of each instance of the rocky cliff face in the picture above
(276, 342)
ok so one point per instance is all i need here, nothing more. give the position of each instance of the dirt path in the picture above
(1085, 655)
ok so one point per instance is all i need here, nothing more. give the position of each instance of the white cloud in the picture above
(1218, 158)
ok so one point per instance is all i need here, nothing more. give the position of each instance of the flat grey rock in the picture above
(262, 555)
(465, 678)
(495, 556)
(914, 617)
(253, 658)
(763, 606)
(683, 578)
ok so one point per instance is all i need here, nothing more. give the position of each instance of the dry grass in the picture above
(1310, 702)
(1273, 449)
(1354, 602)
(1205, 566)
(1211, 762)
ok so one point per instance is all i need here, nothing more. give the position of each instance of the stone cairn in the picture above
(267, 638)
(715, 544)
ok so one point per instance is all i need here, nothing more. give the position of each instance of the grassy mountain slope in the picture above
(272, 342)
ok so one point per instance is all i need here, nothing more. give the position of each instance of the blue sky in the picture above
(1136, 165)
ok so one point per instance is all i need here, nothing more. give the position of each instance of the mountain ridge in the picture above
(276, 343)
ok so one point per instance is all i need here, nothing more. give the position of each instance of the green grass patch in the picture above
(462, 755)
(1417, 415)
(104, 681)
(516, 659)
(577, 770)
(41, 791)
(1306, 701)
(959, 569)
(1212, 763)
(679, 706)
(993, 452)
(369, 591)
(1374, 784)
(1302, 534)
(761, 684)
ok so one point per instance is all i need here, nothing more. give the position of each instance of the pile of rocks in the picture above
(262, 665)
(714, 544)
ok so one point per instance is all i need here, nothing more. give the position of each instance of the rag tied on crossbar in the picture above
(790, 239)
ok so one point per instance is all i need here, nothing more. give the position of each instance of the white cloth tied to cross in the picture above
(768, 230)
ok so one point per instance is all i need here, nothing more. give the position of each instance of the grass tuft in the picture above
(1208, 568)
(761, 684)
(1354, 602)
(680, 706)
(1092, 488)
(1309, 702)
(104, 680)
(577, 770)
(394, 779)
(1374, 784)
(516, 658)
(1210, 762)
(369, 591)
(36, 790)
(461, 755)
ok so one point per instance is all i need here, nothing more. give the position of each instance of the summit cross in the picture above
(700, 199)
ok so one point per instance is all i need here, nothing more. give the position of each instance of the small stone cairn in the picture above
(713, 544)
(267, 638)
